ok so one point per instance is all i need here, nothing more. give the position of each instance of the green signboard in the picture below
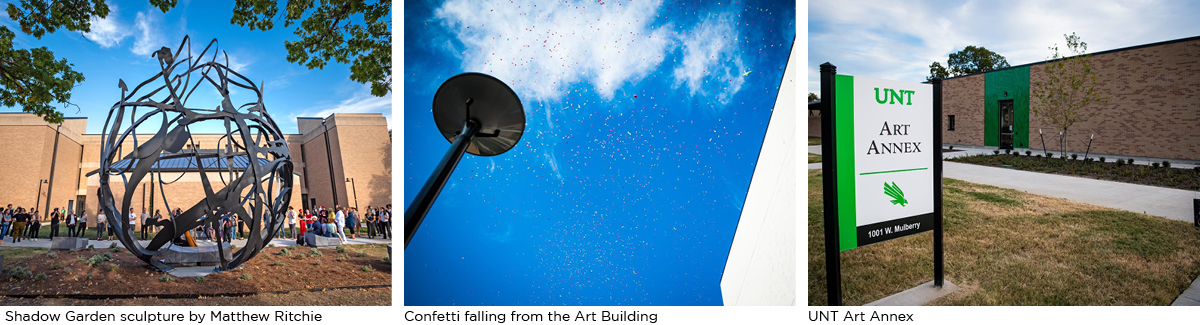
(885, 153)
(882, 166)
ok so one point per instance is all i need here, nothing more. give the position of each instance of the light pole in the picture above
(478, 114)
(39, 196)
(354, 190)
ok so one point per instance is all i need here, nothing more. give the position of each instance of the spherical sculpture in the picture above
(247, 177)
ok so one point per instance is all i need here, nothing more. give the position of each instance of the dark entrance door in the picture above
(1006, 124)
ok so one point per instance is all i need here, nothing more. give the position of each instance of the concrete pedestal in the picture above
(68, 243)
(311, 239)
(207, 255)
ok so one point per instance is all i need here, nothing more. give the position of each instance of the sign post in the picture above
(882, 165)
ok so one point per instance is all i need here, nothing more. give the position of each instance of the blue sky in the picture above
(883, 39)
(644, 122)
(119, 46)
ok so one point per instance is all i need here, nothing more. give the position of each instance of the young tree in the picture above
(1068, 95)
(812, 97)
(970, 60)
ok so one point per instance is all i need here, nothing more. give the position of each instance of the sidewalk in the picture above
(278, 242)
(1158, 201)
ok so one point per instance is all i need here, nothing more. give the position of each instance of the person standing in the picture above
(385, 219)
(291, 220)
(101, 222)
(19, 221)
(145, 226)
(35, 228)
(7, 221)
(339, 223)
(154, 224)
(133, 218)
(55, 217)
(370, 221)
(351, 220)
(72, 221)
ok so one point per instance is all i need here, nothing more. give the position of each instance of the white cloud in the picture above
(149, 39)
(710, 59)
(886, 40)
(108, 32)
(543, 50)
(360, 102)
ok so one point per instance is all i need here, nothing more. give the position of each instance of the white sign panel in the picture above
(885, 153)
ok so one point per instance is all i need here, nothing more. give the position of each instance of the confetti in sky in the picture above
(644, 122)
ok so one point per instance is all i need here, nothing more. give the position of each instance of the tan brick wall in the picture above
(369, 161)
(27, 159)
(1155, 106)
(360, 144)
(963, 98)
(1154, 111)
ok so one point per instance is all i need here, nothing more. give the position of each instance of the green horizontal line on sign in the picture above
(894, 171)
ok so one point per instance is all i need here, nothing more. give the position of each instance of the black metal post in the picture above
(1196, 211)
(938, 260)
(39, 195)
(1089, 148)
(355, 191)
(428, 194)
(833, 262)
(1044, 152)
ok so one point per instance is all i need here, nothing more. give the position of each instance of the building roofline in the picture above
(1135, 47)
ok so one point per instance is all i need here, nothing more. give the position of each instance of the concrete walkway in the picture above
(278, 242)
(1158, 201)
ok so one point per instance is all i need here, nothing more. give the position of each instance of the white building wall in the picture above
(761, 268)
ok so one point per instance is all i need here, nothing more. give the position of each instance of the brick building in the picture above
(1154, 109)
(46, 165)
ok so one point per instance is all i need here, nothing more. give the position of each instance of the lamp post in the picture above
(478, 114)
(39, 196)
(354, 190)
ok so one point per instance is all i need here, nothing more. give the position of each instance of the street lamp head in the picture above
(485, 100)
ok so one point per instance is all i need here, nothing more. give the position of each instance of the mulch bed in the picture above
(1184, 179)
(66, 274)
(347, 297)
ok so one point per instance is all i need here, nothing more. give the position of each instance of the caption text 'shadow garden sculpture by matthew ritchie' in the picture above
(252, 164)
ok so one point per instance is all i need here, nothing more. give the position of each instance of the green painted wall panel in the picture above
(1011, 84)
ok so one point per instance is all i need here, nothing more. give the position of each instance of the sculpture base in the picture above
(205, 255)
(68, 243)
(312, 240)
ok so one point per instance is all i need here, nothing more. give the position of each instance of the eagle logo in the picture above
(894, 191)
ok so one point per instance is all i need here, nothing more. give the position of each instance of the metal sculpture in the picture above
(257, 194)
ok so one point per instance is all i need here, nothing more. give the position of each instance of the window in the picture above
(951, 122)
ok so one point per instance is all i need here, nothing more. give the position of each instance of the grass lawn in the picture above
(1006, 247)
(813, 158)
(1184, 179)
(814, 141)
(15, 254)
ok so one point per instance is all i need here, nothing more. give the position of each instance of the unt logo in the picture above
(892, 96)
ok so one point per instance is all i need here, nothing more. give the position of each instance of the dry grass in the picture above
(814, 141)
(812, 158)
(1006, 247)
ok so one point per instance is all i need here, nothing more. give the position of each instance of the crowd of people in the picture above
(344, 223)
(339, 222)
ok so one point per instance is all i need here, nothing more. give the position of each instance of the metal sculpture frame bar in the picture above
(249, 194)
